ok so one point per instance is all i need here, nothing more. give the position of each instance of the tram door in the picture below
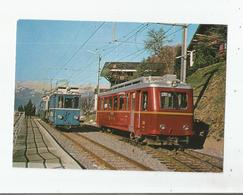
(132, 108)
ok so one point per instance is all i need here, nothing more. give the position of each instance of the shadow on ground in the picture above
(201, 130)
(83, 128)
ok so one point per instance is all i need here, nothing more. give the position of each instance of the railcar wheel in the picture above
(132, 136)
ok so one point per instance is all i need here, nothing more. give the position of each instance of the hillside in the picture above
(209, 98)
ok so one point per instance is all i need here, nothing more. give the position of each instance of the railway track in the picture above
(106, 158)
(58, 139)
(186, 160)
(101, 156)
(110, 158)
(183, 160)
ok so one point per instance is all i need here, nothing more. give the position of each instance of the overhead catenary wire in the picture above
(138, 52)
(122, 37)
(84, 43)
(141, 29)
(138, 29)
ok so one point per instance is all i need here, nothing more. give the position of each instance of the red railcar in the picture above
(155, 108)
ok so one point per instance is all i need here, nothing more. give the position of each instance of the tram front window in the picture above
(173, 100)
(60, 101)
(75, 102)
(71, 102)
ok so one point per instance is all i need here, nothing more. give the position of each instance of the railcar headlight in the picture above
(82, 117)
(185, 127)
(76, 117)
(162, 126)
(59, 116)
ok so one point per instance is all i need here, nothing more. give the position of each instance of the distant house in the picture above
(119, 72)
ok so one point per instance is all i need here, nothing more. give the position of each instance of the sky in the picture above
(51, 51)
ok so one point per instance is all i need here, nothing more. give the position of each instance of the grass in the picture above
(209, 97)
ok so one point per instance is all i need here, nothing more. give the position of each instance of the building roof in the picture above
(119, 65)
(118, 72)
(201, 35)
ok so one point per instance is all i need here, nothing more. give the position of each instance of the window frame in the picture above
(78, 102)
(110, 103)
(173, 100)
(60, 99)
(121, 106)
(115, 103)
(142, 101)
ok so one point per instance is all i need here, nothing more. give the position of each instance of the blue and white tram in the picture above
(64, 110)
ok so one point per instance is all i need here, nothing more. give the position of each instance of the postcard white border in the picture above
(172, 11)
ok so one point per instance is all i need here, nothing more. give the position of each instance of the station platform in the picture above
(34, 147)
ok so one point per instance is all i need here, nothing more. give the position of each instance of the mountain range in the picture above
(34, 90)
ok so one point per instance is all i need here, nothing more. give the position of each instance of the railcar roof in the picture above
(166, 81)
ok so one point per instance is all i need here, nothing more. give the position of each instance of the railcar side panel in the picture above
(151, 111)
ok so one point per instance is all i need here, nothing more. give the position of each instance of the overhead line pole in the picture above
(98, 76)
(184, 54)
(183, 50)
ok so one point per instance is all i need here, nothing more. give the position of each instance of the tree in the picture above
(87, 103)
(162, 54)
(210, 47)
(29, 109)
(20, 108)
(155, 41)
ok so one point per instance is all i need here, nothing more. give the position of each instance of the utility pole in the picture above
(183, 50)
(183, 54)
(98, 75)
(98, 72)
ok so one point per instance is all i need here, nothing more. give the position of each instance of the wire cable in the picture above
(84, 43)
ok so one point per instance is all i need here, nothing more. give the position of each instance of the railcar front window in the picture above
(68, 102)
(60, 101)
(173, 100)
(75, 102)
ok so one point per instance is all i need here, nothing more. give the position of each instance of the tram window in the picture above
(145, 101)
(68, 102)
(121, 102)
(173, 100)
(133, 96)
(110, 103)
(105, 104)
(115, 102)
(101, 103)
(60, 101)
(127, 101)
(75, 102)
